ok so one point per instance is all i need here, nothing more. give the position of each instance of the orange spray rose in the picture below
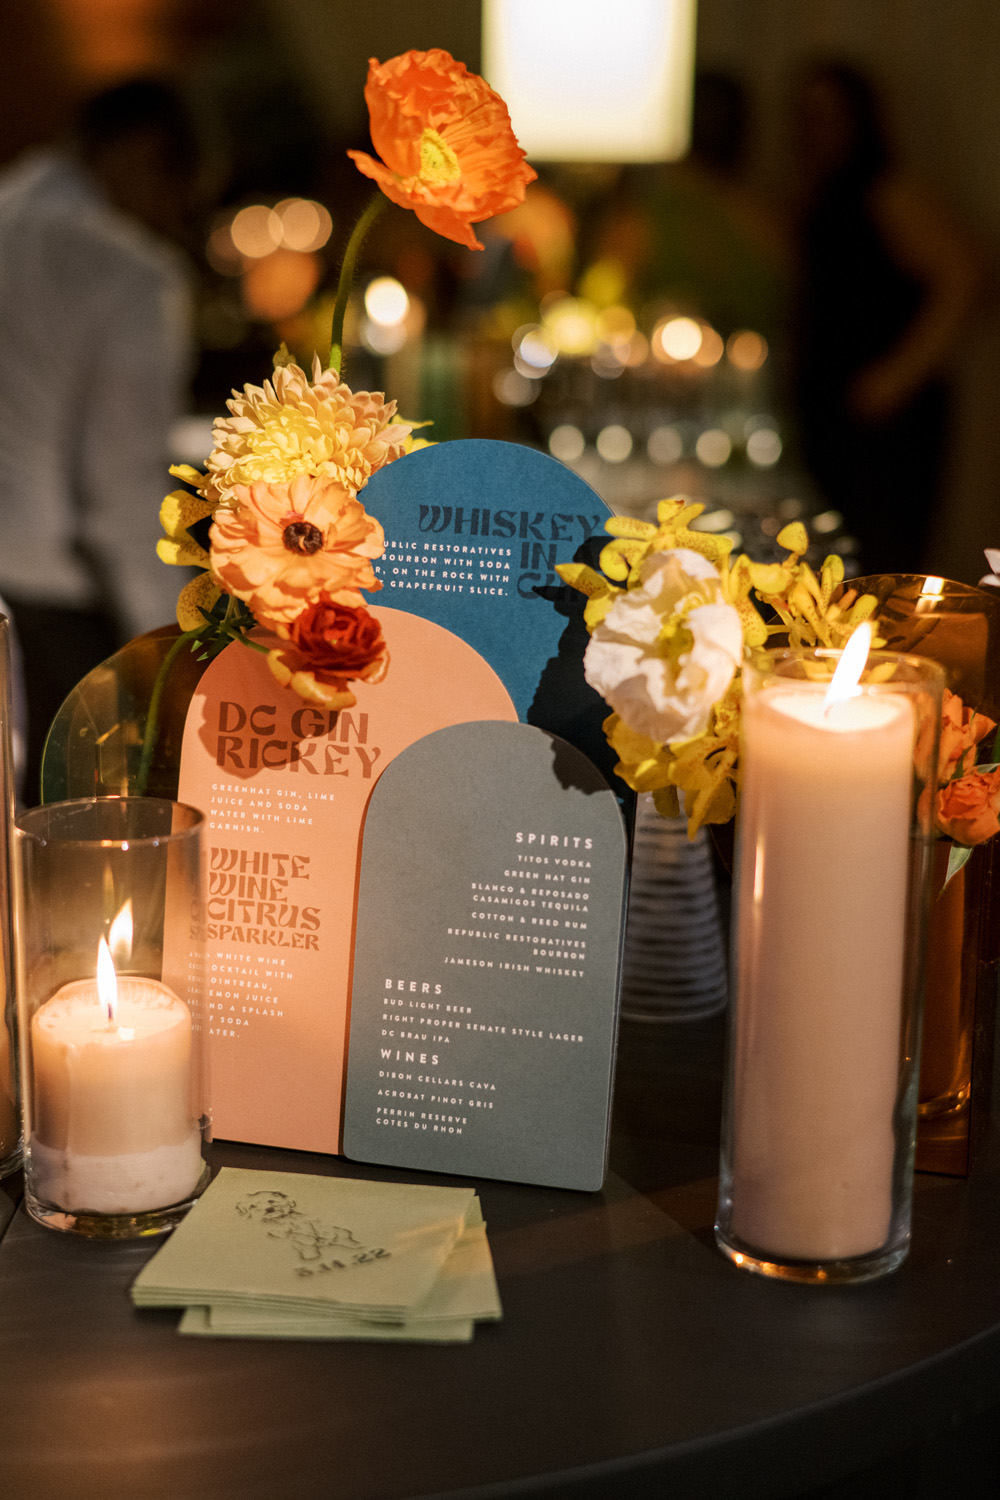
(969, 807)
(961, 730)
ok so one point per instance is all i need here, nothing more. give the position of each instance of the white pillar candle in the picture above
(821, 922)
(113, 1127)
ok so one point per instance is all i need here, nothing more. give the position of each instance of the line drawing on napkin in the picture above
(311, 1241)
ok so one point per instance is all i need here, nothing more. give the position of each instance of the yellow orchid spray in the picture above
(656, 656)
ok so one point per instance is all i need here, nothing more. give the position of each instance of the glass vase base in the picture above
(813, 1273)
(108, 1226)
(11, 1159)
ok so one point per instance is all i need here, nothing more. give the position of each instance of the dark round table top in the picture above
(632, 1359)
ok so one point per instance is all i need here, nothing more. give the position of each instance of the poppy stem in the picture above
(347, 267)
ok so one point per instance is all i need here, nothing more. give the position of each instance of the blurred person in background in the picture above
(96, 332)
(697, 231)
(886, 282)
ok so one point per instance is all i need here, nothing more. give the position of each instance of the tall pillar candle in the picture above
(819, 1030)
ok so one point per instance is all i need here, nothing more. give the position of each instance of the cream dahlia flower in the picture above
(292, 425)
(280, 547)
(668, 649)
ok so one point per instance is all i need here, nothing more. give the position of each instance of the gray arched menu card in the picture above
(484, 998)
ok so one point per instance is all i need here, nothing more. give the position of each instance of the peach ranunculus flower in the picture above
(446, 143)
(292, 425)
(969, 807)
(330, 645)
(961, 730)
(280, 546)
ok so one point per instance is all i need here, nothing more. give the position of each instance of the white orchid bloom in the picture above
(668, 649)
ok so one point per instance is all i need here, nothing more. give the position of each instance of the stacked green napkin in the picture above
(283, 1255)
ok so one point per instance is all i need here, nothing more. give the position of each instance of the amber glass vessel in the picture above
(958, 626)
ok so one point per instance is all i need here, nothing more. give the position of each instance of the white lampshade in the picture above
(589, 80)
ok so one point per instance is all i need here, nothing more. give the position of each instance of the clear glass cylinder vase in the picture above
(829, 915)
(110, 1005)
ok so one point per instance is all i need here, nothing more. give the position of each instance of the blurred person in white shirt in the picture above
(96, 332)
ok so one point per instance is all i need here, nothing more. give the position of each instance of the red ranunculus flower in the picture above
(329, 645)
(336, 639)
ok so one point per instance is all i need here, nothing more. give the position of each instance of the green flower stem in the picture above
(234, 635)
(153, 713)
(376, 204)
(212, 629)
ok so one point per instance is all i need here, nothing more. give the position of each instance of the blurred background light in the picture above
(571, 324)
(534, 352)
(305, 224)
(614, 443)
(386, 301)
(746, 350)
(764, 447)
(566, 443)
(220, 252)
(514, 389)
(710, 350)
(714, 521)
(713, 448)
(256, 231)
(382, 338)
(279, 285)
(615, 325)
(586, 86)
(677, 339)
(665, 445)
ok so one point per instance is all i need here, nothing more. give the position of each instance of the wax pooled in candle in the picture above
(114, 1129)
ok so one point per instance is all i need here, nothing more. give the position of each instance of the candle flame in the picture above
(844, 683)
(107, 983)
(120, 935)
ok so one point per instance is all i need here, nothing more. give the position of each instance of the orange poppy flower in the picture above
(445, 138)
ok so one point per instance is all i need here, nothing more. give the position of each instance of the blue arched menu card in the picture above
(474, 530)
(489, 925)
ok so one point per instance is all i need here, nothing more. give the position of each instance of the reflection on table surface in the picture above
(631, 1355)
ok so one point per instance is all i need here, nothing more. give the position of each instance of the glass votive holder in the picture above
(109, 940)
(10, 1118)
(829, 904)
